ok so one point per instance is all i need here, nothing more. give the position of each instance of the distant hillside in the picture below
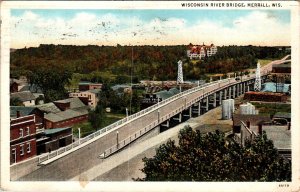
(148, 62)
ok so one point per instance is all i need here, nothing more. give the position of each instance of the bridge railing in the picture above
(125, 120)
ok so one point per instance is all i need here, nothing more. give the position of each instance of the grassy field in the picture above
(272, 108)
(264, 62)
(86, 127)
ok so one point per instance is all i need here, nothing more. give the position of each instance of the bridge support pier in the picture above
(234, 91)
(229, 93)
(220, 97)
(225, 93)
(179, 117)
(167, 124)
(237, 90)
(244, 87)
(199, 108)
(215, 100)
(207, 102)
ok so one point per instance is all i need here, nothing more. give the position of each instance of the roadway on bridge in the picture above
(126, 164)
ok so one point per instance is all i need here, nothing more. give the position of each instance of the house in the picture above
(280, 135)
(71, 111)
(48, 108)
(252, 121)
(90, 97)
(26, 97)
(22, 138)
(86, 85)
(265, 96)
(20, 111)
(151, 99)
(69, 103)
(121, 89)
(13, 86)
(35, 90)
(53, 139)
(201, 51)
(65, 118)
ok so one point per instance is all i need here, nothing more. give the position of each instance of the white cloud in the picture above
(257, 28)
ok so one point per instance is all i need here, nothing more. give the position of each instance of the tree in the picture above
(51, 80)
(14, 101)
(212, 157)
(97, 117)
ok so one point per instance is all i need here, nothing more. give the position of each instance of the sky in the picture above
(32, 27)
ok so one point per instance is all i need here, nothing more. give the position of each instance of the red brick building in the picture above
(84, 86)
(22, 138)
(65, 118)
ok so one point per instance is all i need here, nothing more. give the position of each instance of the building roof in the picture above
(75, 102)
(280, 136)
(23, 96)
(166, 94)
(93, 90)
(282, 115)
(64, 115)
(48, 108)
(117, 87)
(32, 88)
(88, 83)
(56, 130)
(253, 119)
(283, 65)
(23, 110)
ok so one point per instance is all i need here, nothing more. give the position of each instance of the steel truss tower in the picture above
(257, 85)
(180, 74)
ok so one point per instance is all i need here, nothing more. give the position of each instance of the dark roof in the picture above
(282, 115)
(93, 90)
(32, 88)
(56, 130)
(283, 65)
(64, 115)
(23, 96)
(23, 110)
(253, 119)
(166, 94)
(48, 108)
(75, 102)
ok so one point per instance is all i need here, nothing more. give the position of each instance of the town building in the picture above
(253, 121)
(153, 98)
(265, 96)
(201, 51)
(22, 138)
(121, 89)
(21, 111)
(72, 111)
(89, 97)
(53, 139)
(26, 97)
(86, 85)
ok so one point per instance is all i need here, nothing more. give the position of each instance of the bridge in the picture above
(84, 154)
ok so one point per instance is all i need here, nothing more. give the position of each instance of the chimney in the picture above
(248, 124)
(18, 114)
(260, 128)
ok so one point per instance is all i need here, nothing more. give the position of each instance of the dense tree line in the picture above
(212, 157)
(116, 64)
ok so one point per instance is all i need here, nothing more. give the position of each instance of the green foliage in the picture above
(108, 64)
(96, 117)
(51, 80)
(15, 102)
(212, 157)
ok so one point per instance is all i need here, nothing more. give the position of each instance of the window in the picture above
(28, 148)
(22, 149)
(21, 133)
(27, 131)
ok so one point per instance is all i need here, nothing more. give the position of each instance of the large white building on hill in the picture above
(200, 51)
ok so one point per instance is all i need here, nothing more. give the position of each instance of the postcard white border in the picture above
(293, 6)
